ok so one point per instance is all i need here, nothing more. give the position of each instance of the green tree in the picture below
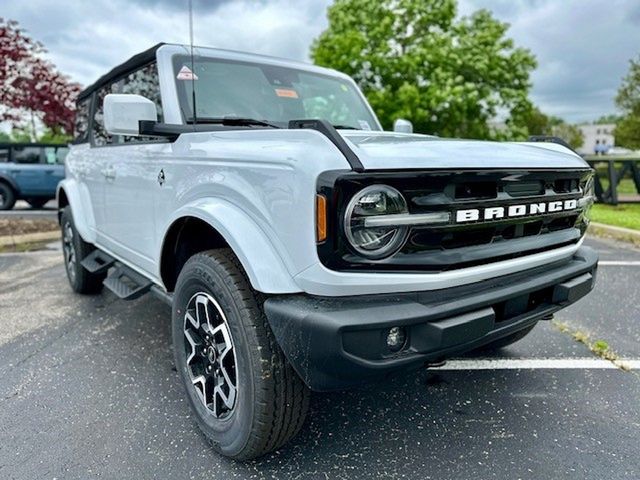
(414, 59)
(610, 118)
(569, 133)
(21, 135)
(628, 100)
(538, 123)
(54, 135)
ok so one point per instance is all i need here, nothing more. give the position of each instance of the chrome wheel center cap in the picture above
(212, 356)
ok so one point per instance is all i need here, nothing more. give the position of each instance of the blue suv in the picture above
(30, 171)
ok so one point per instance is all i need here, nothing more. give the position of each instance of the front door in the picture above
(131, 184)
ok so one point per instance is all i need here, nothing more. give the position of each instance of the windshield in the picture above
(270, 93)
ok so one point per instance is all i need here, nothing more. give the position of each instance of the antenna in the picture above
(193, 70)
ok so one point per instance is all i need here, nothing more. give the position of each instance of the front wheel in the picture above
(246, 397)
(75, 249)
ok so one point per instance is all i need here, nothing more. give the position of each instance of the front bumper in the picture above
(338, 342)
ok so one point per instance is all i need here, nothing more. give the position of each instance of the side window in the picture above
(143, 81)
(100, 135)
(26, 154)
(81, 125)
(4, 155)
(61, 154)
(55, 155)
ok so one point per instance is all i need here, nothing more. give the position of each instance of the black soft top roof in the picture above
(134, 62)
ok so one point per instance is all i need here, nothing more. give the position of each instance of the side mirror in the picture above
(402, 126)
(123, 112)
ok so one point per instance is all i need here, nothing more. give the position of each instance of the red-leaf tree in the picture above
(30, 86)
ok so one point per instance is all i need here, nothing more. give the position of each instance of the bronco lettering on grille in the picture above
(512, 211)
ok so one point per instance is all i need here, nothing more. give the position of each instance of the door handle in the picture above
(109, 173)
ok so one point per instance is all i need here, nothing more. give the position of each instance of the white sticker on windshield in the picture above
(185, 73)
(364, 125)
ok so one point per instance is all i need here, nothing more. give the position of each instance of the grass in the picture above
(625, 215)
(599, 348)
(626, 185)
(24, 247)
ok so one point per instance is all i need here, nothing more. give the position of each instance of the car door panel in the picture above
(130, 186)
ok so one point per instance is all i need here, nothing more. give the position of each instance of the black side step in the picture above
(98, 262)
(126, 283)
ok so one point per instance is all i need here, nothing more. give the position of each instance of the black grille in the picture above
(451, 246)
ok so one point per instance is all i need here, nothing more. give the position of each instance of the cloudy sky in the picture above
(583, 46)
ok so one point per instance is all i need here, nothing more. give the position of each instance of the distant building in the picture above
(597, 138)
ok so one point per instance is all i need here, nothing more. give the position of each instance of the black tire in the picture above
(509, 339)
(7, 197)
(37, 202)
(271, 401)
(75, 249)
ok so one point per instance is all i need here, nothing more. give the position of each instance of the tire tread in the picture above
(282, 402)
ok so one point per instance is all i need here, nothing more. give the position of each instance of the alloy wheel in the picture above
(69, 249)
(211, 357)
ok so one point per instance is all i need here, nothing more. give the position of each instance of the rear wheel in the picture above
(246, 397)
(37, 202)
(75, 249)
(7, 197)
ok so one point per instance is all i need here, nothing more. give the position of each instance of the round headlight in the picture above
(379, 241)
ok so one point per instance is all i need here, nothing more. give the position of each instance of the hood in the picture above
(389, 150)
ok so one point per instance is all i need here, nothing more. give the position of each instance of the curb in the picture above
(617, 233)
(13, 240)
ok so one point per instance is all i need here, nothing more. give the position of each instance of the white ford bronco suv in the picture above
(300, 246)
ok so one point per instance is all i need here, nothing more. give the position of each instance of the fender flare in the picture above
(266, 269)
(80, 203)
(12, 183)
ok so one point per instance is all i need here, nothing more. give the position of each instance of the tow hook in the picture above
(441, 363)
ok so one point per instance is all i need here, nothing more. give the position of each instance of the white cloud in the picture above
(85, 39)
(582, 46)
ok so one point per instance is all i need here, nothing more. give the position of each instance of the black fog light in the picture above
(396, 338)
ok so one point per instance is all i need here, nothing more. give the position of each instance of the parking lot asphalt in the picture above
(88, 390)
(23, 210)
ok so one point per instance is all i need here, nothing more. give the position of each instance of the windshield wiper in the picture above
(345, 127)
(234, 121)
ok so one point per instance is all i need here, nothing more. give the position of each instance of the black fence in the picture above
(616, 168)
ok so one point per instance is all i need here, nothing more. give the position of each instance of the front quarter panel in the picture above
(257, 188)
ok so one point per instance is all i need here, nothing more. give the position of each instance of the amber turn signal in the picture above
(321, 218)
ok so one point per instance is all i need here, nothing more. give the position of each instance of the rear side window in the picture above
(4, 155)
(100, 135)
(143, 81)
(26, 154)
(55, 155)
(81, 125)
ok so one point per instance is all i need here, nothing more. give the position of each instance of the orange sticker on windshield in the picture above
(286, 92)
